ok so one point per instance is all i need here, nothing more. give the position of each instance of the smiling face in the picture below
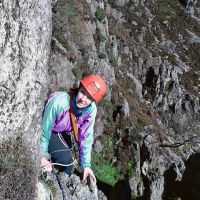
(83, 98)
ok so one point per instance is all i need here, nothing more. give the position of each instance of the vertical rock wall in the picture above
(25, 29)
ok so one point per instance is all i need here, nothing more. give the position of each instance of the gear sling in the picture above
(61, 146)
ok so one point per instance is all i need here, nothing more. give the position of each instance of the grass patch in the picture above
(178, 20)
(61, 40)
(104, 170)
(70, 12)
(69, 24)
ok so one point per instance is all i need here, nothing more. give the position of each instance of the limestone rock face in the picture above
(148, 53)
(43, 192)
(25, 28)
(121, 3)
(60, 68)
(72, 188)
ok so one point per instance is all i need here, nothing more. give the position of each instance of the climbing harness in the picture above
(66, 149)
(54, 172)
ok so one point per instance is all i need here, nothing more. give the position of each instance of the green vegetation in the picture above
(189, 80)
(194, 54)
(68, 18)
(104, 170)
(173, 21)
(178, 20)
(72, 14)
(109, 142)
(80, 68)
(131, 14)
(61, 39)
(100, 14)
(165, 9)
(80, 65)
(102, 56)
(112, 59)
(129, 170)
(98, 37)
(169, 85)
(69, 11)
(149, 38)
(106, 104)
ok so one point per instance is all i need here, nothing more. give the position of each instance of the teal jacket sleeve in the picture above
(54, 106)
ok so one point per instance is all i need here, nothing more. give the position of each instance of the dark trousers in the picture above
(61, 153)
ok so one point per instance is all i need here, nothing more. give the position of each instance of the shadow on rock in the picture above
(189, 186)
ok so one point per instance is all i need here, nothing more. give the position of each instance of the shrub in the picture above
(100, 15)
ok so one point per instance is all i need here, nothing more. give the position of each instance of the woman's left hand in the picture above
(87, 171)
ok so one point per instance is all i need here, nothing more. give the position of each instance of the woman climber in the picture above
(56, 140)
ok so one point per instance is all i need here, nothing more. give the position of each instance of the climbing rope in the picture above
(65, 197)
(67, 149)
(60, 184)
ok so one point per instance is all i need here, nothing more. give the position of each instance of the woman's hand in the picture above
(46, 164)
(87, 171)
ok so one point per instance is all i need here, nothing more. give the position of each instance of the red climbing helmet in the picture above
(95, 86)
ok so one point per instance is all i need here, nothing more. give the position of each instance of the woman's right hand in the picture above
(46, 164)
(88, 171)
